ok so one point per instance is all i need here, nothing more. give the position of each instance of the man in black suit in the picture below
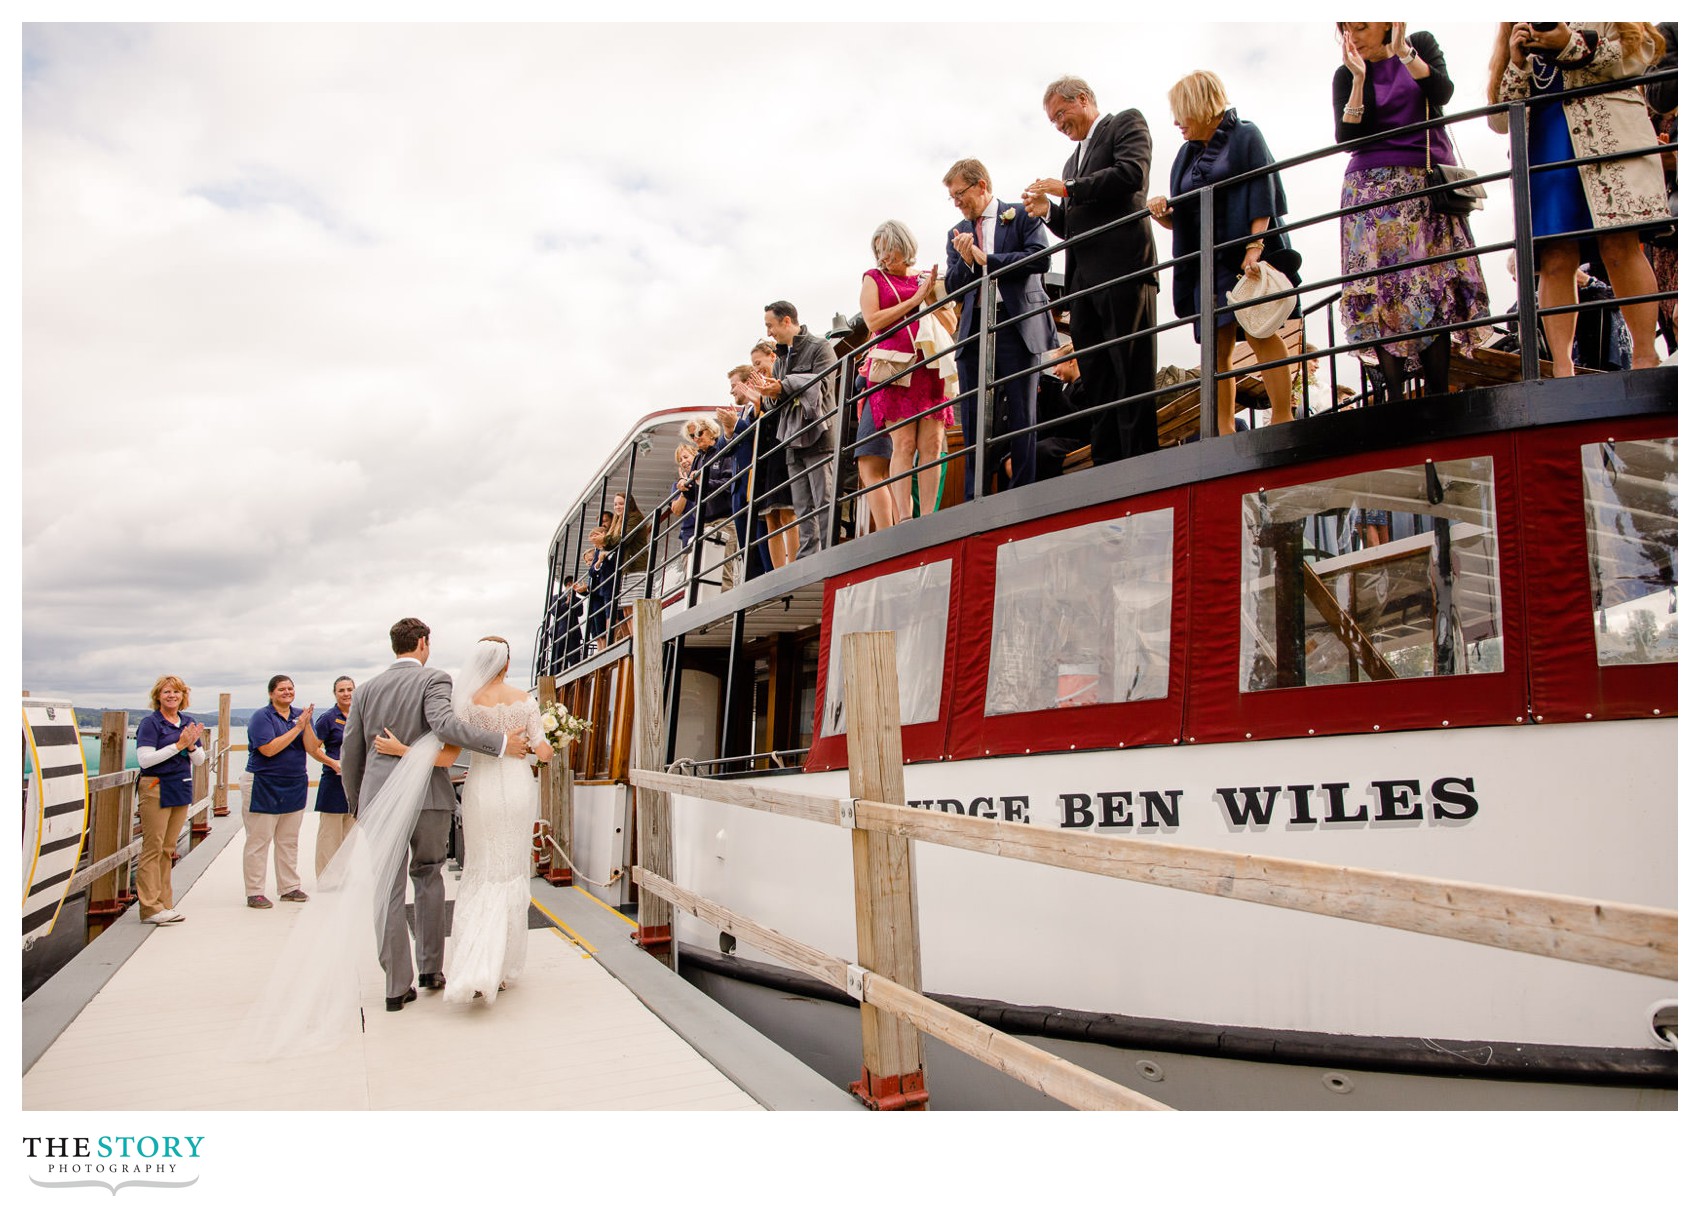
(997, 235)
(1104, 179)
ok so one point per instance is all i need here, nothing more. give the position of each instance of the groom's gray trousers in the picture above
(428, 848)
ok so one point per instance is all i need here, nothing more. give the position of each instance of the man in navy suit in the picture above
(1105, 178)
(994, 234)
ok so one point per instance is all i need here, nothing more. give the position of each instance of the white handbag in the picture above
(1258, 315)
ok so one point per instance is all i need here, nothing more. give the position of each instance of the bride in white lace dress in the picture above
(486, 949)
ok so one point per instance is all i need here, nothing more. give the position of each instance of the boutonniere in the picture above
(1008, 216)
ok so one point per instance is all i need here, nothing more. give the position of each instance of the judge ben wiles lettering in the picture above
(1449, 799)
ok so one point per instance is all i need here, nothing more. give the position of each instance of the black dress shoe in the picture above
(431, 980)
(396, 1003)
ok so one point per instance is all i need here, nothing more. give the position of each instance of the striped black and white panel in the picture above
(55, 812)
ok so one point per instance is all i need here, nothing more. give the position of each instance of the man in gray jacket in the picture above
(803, 406)
(411, 700)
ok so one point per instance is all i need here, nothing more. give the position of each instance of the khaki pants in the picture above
(281, 834)
(160, 828)
(333, 828)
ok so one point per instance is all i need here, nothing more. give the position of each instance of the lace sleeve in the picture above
(533, 722)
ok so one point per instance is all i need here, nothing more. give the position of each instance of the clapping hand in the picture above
(1349, 56)
(964, 245)
(187, 738)
(926, 287)
(1397, 42)
(1037, 196)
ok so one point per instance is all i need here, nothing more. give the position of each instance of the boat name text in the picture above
(1290, 805)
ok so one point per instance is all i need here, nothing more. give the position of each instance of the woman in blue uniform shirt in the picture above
(279, 738)
(168, 746)
(332, 801)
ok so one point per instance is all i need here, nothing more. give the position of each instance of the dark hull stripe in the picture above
(64, 843)
(51, 881)
(48, 735)
(34, 921)
(53, 810)
(61, 772)
(1653, 1068)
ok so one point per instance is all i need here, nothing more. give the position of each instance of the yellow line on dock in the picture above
(563, 928)
(605, 905)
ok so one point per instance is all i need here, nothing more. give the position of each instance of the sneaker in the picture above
(164, 918)
(258, 902)
(294, 894)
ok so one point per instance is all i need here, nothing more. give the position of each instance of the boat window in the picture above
(1630, 491)
(915, 604)
(1385, 574)
(1081, 616)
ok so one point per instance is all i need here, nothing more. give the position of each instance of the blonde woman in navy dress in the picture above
(168, 747)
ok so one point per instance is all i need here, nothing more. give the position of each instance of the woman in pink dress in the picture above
(890, 292)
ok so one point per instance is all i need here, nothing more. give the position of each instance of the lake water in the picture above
(91, 750)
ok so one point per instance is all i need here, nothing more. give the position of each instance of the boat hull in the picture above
(1585, 810)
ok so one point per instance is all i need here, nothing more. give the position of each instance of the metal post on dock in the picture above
(221, 779)
(114, 810)
(888, 936)
(654, 808)
(557, 805)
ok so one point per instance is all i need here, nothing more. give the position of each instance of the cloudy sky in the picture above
(326, 324)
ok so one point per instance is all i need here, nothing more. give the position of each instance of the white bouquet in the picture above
(560, 725)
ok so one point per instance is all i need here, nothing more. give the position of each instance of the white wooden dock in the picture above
(155, 1034)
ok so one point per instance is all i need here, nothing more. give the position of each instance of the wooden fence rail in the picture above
(1047, 1073)
(117, 796)
(1604, 934)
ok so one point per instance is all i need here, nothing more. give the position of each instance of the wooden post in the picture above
(556, 806)
(221, 773)
(888, 937)
(654, 808)
(113, 811)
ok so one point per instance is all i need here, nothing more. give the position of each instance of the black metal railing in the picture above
(565, 637)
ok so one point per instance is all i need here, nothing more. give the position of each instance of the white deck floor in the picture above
(156, 1036)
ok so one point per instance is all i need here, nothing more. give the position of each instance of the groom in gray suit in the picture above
(411, 700)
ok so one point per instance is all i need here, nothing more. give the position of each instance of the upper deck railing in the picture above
(657, 564)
